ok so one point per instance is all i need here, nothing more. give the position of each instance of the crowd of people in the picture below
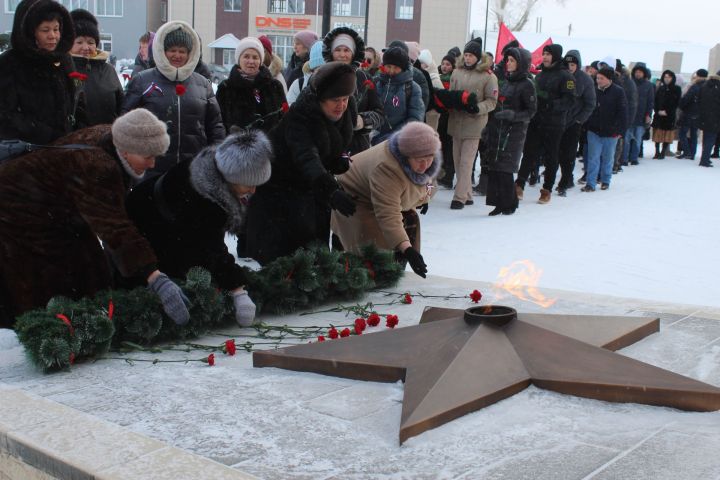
(343, 146)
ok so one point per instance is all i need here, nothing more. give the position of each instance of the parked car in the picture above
(219, 72)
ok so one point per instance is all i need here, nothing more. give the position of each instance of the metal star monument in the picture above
(456, 362)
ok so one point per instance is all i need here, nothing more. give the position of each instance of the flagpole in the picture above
(487, 9)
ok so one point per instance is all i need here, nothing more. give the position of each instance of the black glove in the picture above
(505, 115)
(423, 208)
(416, 261)
(342, 202)
(338, 165)
(471, 103)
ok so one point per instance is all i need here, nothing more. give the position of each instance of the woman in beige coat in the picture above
(474, 76)
(393, 176)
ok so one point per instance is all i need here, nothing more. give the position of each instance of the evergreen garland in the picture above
(67, 330)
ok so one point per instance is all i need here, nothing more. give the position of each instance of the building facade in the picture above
(122, 22)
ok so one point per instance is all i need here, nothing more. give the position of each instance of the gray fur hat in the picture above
(243, 158)
(139, 131)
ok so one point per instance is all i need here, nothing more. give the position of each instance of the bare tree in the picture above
(515, 13)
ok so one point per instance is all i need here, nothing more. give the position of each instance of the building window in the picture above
(109, 8)
(404, 9)
(228, 57)
(233, 5)
(105, 42)
(75, 4)
(282, 46)
(348, 8)
(11, 5)
(163, 12)
(286, 6)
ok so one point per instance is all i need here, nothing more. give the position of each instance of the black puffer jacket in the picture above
(184, 214)
(102, 91)
(243, 101)
(610, 116)
(503, 140)
(37, 99)
(193, 117)
(690, 105)
(709, 101)
(667, 97)
(555, 87)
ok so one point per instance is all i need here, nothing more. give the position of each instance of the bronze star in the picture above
(451, 367)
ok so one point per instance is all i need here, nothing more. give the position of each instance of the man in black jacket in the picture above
(555, 88)
(641, 121)
(605, 126)
(709, 120)
(689, 115)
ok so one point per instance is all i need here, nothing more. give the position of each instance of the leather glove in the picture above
(505, 115)
(338, 165)
(174, 301)
(342, 202)
(423, 208)
(244, 308)
(416, 261)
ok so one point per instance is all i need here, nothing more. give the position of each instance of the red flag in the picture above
(505, 36)
(536, 60)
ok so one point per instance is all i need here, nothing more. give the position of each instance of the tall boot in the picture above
(657, 151)
(666, 147)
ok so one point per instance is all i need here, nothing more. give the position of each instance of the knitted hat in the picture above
(573, 56)
(455, 52)
(316, 55)
(244, 158)
(450, 58)
(140, 132)
(555, 50)
(396, 56)
(607, 72)
(475, 47)
(334, 79)
(86, 25)
(418, 139)
(306, 37)
(249, 42)
(178, 38)
(266, 43)
(425, 57)
(344, 40)
(702, 73)
(413, 50)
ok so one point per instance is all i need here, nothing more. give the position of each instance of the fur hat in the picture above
(334, 79)
(555, 50)
(425, 57)
(344, 40)
(250, 42)
(418, 139)
(607, 72)
(243, 158)
(266, 43)
(178, 38)
(316, 55)
(396, 56)
(86, 25)
(139, 131)
(413, 50)
(474, 46)
(306, 37)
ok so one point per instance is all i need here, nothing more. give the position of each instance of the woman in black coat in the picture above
(185, 212)
(250, 95)
(667, 100)
(504, 137)
(310, 146)
(38, 99)
(102, 91)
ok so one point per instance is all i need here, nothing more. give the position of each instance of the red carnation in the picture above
(360, 325)
(77, 76)
(66, 321)
(369, 84)
(333, 333)
(230, 347)
(210, 359)
(373, 320)
(180, 90)
(321, 338)
(285, 107)
(365, 64)
(358, 331)
(111, 309)
(382, 68)
(501, 99)
(407, 298)
(391, 321)
(475, 296)
(345, 332)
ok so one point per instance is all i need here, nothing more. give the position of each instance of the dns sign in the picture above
(285, 23)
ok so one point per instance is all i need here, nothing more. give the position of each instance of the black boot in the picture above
(715, 153)
(495, 211)
(665, 150)
(657, 152)
(641, 154)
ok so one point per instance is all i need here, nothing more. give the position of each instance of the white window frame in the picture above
(404, 9)
(282, 46)
(163, 11)
(114, 4)
(284, 6)
(228, 57)
(7, 6)
(71, 5)
(236, 7)
(348, 8)
(105, 39)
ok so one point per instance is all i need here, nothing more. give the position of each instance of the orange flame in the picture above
(520, 280)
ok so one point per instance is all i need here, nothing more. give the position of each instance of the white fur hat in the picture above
(425, 57)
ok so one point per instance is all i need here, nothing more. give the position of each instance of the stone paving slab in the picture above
(278, 424)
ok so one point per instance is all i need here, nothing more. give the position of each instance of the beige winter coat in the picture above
(382, 191)
(484, 83)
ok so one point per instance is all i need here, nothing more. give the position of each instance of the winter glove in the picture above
(469, 101)
(174, 301)
(244, 308)
(505, 115)
(423, 208)
(338, 165)
(456, 100)
(416, 261)
(343, 203)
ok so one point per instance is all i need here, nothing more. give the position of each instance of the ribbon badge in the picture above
(396, 101)
(257, 95)
(153, 87)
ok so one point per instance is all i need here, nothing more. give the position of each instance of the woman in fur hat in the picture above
(55, 204)
(392, 177)
(250, 95)
(38, 103)
(102, 91)
(310, 147)
(177, 95)
(186, 212)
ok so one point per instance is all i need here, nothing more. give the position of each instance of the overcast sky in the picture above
(695, 21)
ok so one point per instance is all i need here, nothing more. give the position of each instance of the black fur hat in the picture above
(396, 56)
(86, 25)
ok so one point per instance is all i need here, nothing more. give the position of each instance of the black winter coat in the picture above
(243, 101)
(293, 71)
(184, 214)
(667, 97)
(610, 116)
(646, 100)
(140, 65)
(555, 87)
(37, 98)
(690, 105)
(631, 94)
(709, 120)
(102, 91)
